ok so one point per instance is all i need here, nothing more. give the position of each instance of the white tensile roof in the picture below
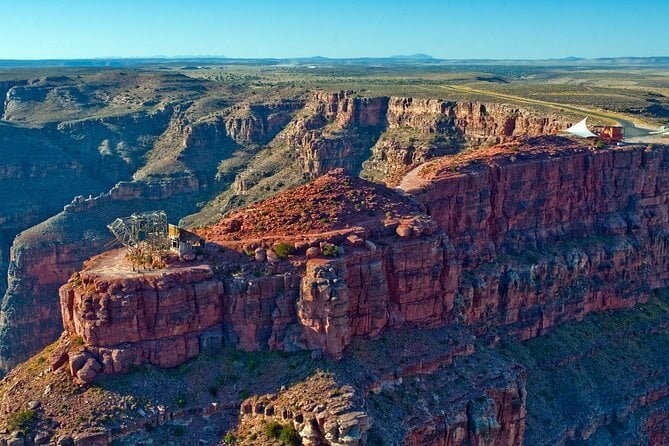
(581, 129)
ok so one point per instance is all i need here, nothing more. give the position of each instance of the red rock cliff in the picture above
(532, 236)
(545, 236)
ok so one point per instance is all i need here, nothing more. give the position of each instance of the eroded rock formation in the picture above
(320, 412)
(568, 249)
(172, 149)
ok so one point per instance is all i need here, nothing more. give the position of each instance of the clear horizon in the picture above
(256, 29)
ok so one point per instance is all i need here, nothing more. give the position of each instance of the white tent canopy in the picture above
(581, 129)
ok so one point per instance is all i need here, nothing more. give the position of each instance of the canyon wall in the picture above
(281, 307)
(384, 137)
(43, 257)
(542, 238)
(97, 153)
(501, 255)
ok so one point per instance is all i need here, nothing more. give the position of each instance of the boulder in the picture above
(354, 240)
(404, 231)
(90, 370)
(313, 252)
(77, 361)
(58, 357)
(260, 255)
(272, 257)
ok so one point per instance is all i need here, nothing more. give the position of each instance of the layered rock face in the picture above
(165, 317)
(336, 131)
(259, 123)
(395, 286)
(391, 135)
(481, 121)
(544, 237)
(513, 257)
(158, 318)
(496, 419)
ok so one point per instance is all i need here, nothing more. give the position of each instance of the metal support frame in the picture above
(149, 228)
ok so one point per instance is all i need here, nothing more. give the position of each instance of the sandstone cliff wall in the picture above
(391, 135)
(43, 257)
(544, 238)
(526, 244)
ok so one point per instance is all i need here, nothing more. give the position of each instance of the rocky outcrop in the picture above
(319, 411)
(513, 258)
(43, 257)
(252, 309)
(158, 318)
(259, 123)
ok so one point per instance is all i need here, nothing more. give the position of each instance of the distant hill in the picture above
(410, 59)
(417, 56)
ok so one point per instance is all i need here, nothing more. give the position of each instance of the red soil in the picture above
(332, 202)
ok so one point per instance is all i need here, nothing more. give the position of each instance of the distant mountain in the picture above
(417, 56)
(410, 59)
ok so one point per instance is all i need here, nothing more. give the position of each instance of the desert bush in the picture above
(21, 421)
(330, 250)
(283, 250)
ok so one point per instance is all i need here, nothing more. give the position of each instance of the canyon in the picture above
(469, 241)
(379, 269)
(172, 156)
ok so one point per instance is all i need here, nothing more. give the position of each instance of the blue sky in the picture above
(535, 29)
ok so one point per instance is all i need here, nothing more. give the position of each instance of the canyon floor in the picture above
(459, 273)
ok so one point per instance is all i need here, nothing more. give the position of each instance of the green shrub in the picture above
(178, 431)
(181, 400)
(289, 436)
(229, 438)
(251, 365)
(285, 433)
(273, 429)
(330, 250)
(21, 421)
(283, 250)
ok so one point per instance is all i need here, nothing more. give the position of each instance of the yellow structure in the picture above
(183, 242)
